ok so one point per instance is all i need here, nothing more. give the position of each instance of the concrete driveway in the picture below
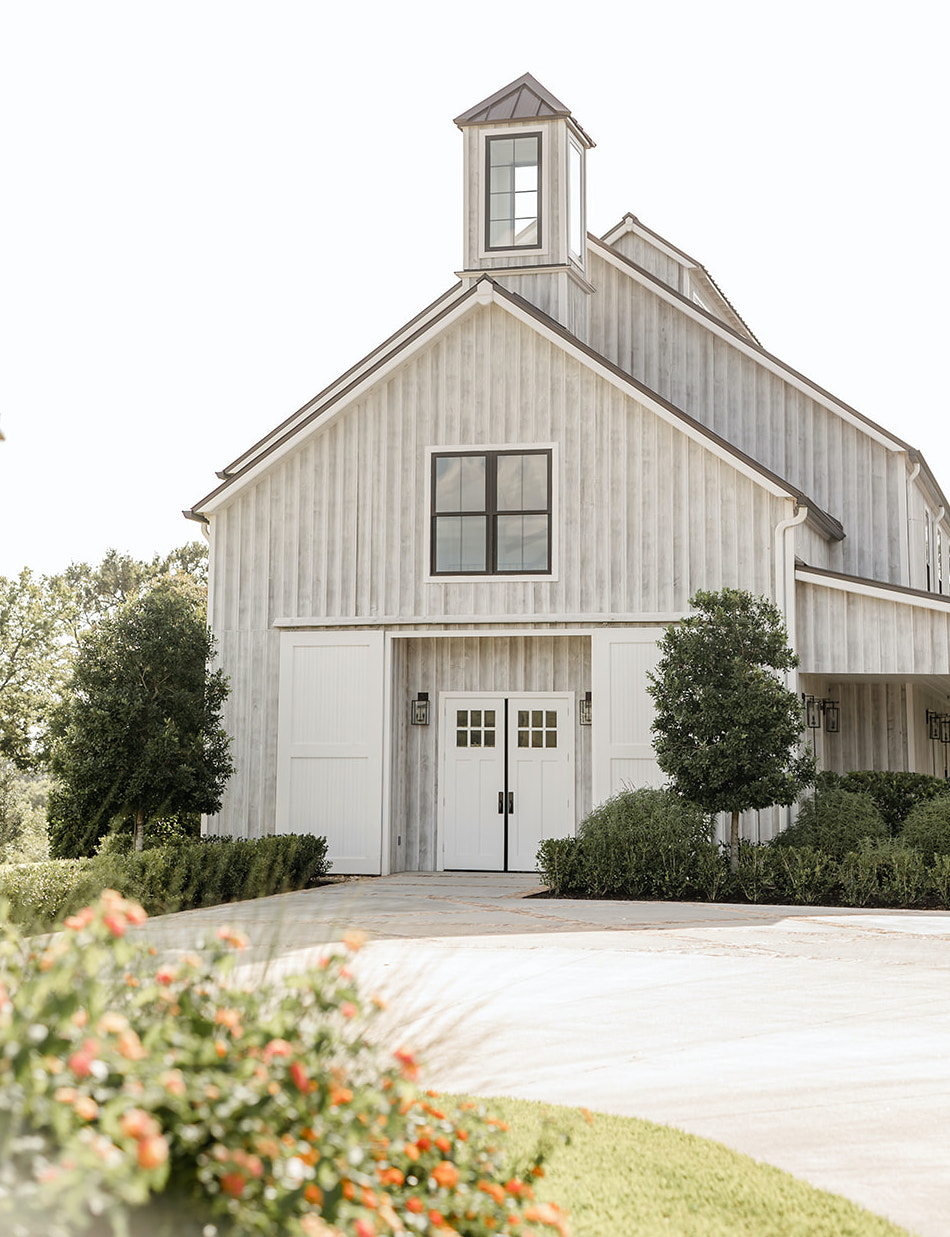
(817, 1040)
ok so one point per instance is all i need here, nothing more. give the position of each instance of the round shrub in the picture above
(927, 828)
(644, 843)
(835, 822)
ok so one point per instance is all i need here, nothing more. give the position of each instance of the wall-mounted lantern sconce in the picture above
(938, 726)
(584, 709)
(815, 707)
(419, 709)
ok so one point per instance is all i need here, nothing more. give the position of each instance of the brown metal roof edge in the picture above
(682, 253)
(832, 526)
(883, 584)
(225, 472)
(899, 442)
(318, 412)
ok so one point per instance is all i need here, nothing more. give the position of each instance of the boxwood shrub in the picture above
(927, 827)
(834, 821)
(894, 793)
(165, 878)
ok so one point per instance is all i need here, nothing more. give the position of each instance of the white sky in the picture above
(210, 209)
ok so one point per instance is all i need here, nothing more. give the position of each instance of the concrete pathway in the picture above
(817, 1040)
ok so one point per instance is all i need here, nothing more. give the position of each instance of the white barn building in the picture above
(502, 506)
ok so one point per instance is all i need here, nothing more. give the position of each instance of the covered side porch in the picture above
(882, 654)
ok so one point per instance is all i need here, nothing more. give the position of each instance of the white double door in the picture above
(507, 778)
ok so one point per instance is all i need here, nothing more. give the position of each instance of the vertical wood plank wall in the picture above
(836, 464)
(542, 662)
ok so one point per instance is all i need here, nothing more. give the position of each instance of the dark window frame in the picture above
(491, 512)
(502, 137)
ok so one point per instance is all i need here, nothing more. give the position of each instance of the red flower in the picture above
(299, 1077)
(446, 1175)
(152, 1151)
(415, 1204)
(233, 1184)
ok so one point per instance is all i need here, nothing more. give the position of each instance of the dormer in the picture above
(525, 199)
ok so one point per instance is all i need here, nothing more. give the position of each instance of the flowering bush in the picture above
(146, 1095)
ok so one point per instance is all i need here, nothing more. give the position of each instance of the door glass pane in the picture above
(475, 739)
(550, 738)
(537, 738)
(461, 717)
(537, 717)
(461, 738)
(550, 718)
(489, 717)
(522, 738)
(476, 717)
(522, 717)
(489, 738)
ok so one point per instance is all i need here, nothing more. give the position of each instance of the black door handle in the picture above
(501, 803)
(511, 803)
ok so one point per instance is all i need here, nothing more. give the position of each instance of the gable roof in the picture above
(523, 99)
(484, 291)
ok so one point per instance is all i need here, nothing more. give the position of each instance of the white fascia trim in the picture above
(351, 375)
(397, 357)
(942, 606)
(693, 431)
(627, 224)
(750, 351)
(579, 624)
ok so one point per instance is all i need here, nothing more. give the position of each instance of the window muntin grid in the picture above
(513, 173)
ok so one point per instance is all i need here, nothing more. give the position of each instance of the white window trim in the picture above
(533, 251)
(501, 577)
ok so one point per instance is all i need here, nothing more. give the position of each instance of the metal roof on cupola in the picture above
(523, 99)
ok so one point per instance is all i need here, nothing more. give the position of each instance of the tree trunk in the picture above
(139, 829)
(734, 843)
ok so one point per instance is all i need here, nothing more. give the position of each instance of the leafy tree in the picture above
(22, 815)
(139, 733)
(35, 617)
(99, 591)
(728, 731)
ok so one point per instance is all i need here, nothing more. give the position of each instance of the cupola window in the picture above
(514, 191)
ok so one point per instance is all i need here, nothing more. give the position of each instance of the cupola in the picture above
(525, 199)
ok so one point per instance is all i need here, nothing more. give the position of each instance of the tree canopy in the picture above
(139, 732)
(728, 732)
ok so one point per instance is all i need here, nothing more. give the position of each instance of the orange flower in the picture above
(173, 1081)
(411, 1152)
(111, 1023)
(340, 1095)
(220, 1047)
(231, 1019)
(446, 1175)
(86, 1107)
(152, 1152)
(80, 920)
(348, 1009)
(233, 1184)
(369, 1198)
(166, 975)
(415, 1204)
(349, 1189)
(437, 1218)
(494, 1189)
(443, 1144)
(135, 1123)
(79, 1017)
(364, 1228)
(116, 924)
(278, 1048)
(65, 1095)
(354, 940)
(82, 1059)
(313, 1194)
(391, 1176)
(547, 1213)
(407, 1064)
(129, 1046)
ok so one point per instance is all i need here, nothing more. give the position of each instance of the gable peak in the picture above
(523, 99)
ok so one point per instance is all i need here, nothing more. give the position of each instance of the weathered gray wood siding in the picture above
(672, 271)
(837, 464)
(543, 663)
(338, 528)
(847, 633)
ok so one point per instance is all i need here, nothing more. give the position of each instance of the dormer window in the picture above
(514, 191)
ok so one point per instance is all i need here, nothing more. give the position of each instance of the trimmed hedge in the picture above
(894, 793)
(649, 844)
(165, 878)
(835, 821)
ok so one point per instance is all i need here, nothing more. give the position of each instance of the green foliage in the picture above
(887, 873)
(835, 821)
(165, 878)
(140, 734)
(643, 843)
(34, 660)
(727, 730)
(927, 827)
(22, 815)
(894, 792)
(153, 1097)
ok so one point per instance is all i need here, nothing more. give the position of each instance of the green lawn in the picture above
(620, 1177)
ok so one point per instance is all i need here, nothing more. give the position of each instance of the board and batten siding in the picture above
(542, 662)
(837, 464)
(337, 528)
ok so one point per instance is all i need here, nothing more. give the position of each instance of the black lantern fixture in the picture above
(938, 726)
(816, 707)
(584, 710)
(419, 709)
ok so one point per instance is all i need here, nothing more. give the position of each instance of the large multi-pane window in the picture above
(491, 513)
(514, 191)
